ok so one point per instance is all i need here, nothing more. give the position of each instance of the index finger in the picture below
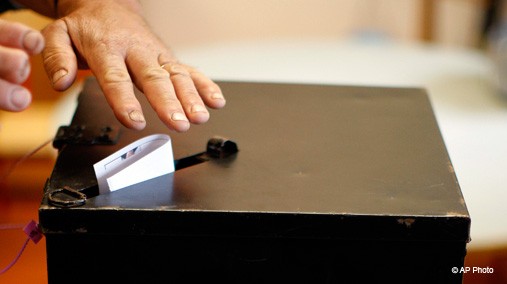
(20, 36)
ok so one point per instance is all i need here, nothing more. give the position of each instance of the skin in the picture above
(17, 43)
(113, 40)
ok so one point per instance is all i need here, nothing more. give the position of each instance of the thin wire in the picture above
(24, 158)
(16, 258)
(17, 226)
(11, 226)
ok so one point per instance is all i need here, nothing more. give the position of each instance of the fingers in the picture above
(19, 36)
(121, 54)
(15, 65)
(178, 93)
(208, 90)
(115, 81)
(186, 92)
(13, 97)
(156, 85)
(59, 58)
(17, 42)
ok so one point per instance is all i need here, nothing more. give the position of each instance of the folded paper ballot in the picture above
(144, 159)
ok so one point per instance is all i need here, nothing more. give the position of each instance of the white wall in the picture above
(194, 22)
(181, 23)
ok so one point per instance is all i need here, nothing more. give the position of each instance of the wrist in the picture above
(65, 7)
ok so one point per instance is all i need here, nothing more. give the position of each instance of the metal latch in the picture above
(217, 148)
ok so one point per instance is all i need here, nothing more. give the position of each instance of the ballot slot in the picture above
(143, 159)
(217, 148)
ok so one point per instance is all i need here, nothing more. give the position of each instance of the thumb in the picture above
(58, 56)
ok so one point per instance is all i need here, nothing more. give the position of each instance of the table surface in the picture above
(471, 113)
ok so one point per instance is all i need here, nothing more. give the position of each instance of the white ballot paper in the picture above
(144, 159)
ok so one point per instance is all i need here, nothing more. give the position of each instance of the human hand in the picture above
(17, 43)
(114, 41)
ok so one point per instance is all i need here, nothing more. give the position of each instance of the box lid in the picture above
(319, 161)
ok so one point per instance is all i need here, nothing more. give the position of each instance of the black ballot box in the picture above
(330, 184)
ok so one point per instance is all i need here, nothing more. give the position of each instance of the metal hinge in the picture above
(86, 135)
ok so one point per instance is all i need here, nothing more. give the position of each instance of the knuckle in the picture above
(213, 87)
(54, 27)
(116, 75)
(173, 103)
(190, 92)
(14, 65)
(154, 74)
(13, 59)
(53, 57)
(178, 70)
(167, 106)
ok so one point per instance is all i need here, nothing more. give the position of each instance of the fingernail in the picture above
(217, 96)
(178, 116)
(33, 42)
(59, 75)
(136, 116)
(198, 108)
(20, 98)
(25, 71)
